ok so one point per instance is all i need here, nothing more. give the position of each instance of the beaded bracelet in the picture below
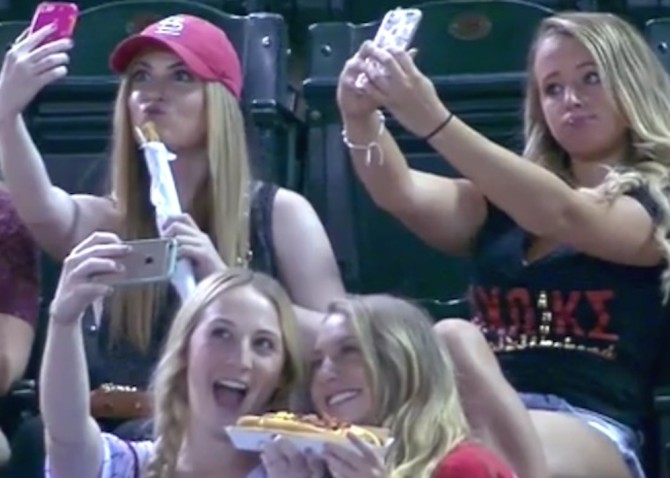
(368, 148)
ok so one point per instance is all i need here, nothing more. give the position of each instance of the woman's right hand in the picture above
(281, 458)
(28, 67)
(80, 285)
(354, 103)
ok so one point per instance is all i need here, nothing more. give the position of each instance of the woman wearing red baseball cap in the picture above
(182, 74)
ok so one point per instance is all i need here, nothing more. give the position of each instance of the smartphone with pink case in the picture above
(396, 31)
(62, 14)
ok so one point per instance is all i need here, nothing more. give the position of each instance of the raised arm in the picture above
(446, 213)
(538, 200)
(306, 261)
(73, 439)
(305, 257)
(57, 220)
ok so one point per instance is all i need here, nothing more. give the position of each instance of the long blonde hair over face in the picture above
(170, 385)
(638, 87)
(412, 381)
(221, 208)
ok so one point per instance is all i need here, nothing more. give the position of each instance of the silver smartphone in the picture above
(149, 261)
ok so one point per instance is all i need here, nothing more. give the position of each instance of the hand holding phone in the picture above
(62, 15)
(396, 31)
(37, 58)
(149, 261)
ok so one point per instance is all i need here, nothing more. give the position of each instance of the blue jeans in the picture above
(626, 439)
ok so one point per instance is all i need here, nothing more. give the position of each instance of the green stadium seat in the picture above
(10, 31)
(657, 33)
(638, 12)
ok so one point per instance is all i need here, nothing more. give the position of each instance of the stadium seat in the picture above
(657, 33)
(10, 31)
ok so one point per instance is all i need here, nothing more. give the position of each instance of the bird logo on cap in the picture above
(172, 26)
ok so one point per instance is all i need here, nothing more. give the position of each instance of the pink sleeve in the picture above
(19, 269)
(472, 461)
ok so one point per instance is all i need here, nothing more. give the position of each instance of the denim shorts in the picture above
(626, 439)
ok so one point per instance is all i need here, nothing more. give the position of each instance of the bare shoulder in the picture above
(305, 257)
(291, 210)
(290, 202)
(294, 214)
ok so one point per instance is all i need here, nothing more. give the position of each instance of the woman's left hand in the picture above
(193, 244)
(401, 88)
(363, 462)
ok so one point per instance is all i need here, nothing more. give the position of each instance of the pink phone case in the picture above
(63, 15)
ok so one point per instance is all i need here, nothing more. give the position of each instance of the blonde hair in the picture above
(412, 381)
(170, 385)
(639, 88)
(221, 209)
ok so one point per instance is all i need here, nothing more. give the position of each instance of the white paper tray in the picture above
(254, 440)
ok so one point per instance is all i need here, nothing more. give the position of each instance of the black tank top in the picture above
(568, 324)
(124, 364)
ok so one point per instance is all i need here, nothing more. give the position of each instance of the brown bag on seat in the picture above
(119, 402)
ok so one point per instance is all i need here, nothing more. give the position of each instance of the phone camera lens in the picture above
(148, 260)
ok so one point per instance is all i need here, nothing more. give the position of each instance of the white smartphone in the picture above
(396, 31)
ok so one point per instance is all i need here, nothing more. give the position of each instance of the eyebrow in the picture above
(233, 325)
(347, 339)
(223, 320)
(580, 66)
(270, 333)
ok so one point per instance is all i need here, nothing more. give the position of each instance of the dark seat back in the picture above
(260, 40)
(657, 33)
(10, 31)
(638, 12)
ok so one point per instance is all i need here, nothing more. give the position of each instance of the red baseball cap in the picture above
(203, 47)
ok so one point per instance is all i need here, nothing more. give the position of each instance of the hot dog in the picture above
(147, 133)
(150, 132)
(285, 423)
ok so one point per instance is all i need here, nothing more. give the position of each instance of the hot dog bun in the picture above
(150, 132)
(311, 426)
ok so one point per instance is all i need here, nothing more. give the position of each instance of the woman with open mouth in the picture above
(232, 350)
